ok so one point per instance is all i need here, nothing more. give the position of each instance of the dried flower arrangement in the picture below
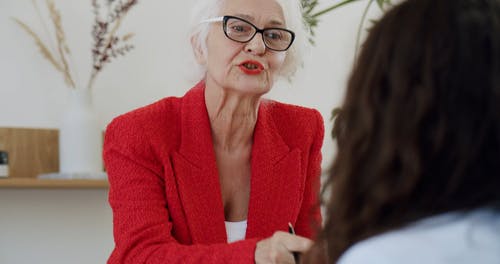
(106, 43)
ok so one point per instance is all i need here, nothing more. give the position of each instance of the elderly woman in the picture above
(217, 175)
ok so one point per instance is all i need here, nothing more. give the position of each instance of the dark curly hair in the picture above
(419, 130)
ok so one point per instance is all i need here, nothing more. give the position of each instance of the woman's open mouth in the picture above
(251, 67)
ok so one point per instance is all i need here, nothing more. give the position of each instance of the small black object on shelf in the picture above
(4, 164)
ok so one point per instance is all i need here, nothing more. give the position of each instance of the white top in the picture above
(236, 230)
(448, 238)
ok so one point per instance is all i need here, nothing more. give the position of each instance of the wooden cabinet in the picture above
(34, 151)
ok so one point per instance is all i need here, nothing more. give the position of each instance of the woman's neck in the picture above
(233, 116)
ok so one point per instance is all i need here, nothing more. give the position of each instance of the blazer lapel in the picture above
(196, 173)
(276, 182)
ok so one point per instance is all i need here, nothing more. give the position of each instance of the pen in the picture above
(292, 231)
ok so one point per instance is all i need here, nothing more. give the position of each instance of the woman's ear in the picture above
(197, 50)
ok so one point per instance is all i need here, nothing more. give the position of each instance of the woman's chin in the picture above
(253, 84)
(253, 88)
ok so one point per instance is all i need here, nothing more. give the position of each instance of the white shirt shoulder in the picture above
(453, 238)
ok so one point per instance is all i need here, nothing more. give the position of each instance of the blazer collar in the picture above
(198, 181)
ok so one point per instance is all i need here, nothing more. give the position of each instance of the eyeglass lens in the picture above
(242, 31)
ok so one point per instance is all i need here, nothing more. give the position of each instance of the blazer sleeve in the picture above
(309, 219)
(141, 226)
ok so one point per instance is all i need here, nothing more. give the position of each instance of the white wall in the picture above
(74, 226)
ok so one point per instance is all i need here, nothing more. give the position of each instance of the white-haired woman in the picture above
(216, 175)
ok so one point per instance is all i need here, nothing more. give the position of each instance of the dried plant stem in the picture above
(106, 42)
(73, 73)
(62, 48)
(92, 78)
(43, 49)
(44, 25)
(128, 36)
(106, 47)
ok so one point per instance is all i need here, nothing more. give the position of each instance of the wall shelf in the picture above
(25, 183)
(35, 151)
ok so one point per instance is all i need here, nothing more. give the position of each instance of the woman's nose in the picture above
(256, 45)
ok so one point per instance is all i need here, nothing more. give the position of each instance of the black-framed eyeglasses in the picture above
(240, 30)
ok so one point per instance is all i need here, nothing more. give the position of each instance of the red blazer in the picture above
(165, 191)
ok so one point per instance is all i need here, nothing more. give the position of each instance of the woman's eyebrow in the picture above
(250, 18)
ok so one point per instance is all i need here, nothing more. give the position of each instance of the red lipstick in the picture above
(251, 67)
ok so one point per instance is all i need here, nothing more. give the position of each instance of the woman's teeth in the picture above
(250, 66)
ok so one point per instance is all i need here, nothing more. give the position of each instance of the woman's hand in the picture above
(279, 248)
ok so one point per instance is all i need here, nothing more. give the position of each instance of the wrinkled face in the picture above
(244, 67)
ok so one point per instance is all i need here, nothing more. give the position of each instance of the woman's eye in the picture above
(273, 35)
(239, 28)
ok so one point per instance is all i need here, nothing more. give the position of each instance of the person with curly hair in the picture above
(417, 174)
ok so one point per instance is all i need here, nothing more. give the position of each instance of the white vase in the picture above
(80, 139)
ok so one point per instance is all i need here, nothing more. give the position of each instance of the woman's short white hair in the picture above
(292, 12)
